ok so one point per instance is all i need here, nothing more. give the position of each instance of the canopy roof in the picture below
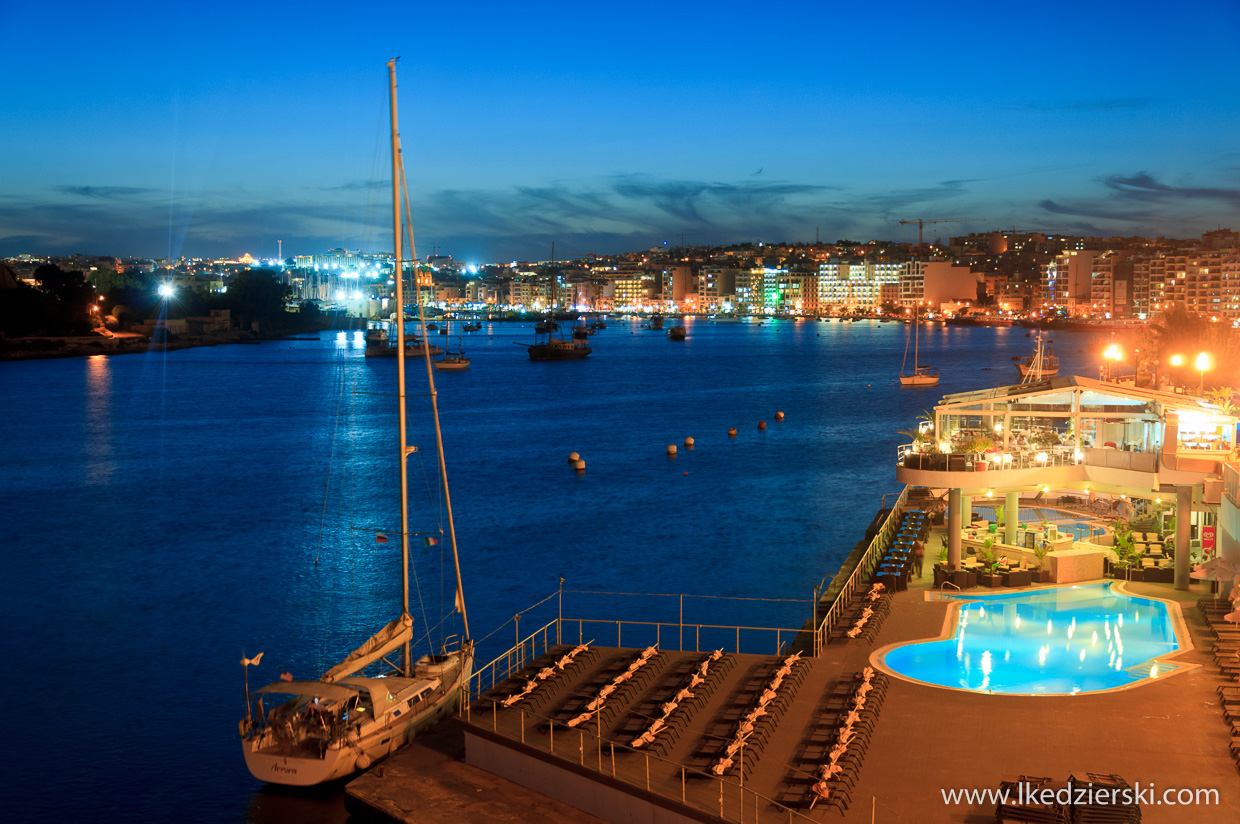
(1094, 395)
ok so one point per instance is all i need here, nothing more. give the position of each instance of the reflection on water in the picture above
(98, 443)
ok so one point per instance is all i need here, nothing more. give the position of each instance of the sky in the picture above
(218, 129)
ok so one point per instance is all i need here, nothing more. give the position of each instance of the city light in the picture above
(166, 290)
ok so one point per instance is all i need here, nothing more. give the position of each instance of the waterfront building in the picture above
(850, 285)
(1067, 281)
(1148, 450)
(935, 283)
(716, 287)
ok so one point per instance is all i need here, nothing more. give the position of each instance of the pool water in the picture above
(1081, 529)
(1058, 641)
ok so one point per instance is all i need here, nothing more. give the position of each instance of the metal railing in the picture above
(559, 631)
(590, 750)
(869, 560)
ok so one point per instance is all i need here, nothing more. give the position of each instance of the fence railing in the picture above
(869, 560)
(665, 635)
(589, 749)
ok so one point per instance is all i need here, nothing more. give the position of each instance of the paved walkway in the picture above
(1170, 734)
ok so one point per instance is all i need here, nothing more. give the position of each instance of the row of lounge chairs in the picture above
(543, 673)
(1227, 659)
(855, 623)
(830, 758)
(750, 715)
(1103, 800)
(675, 682)
(579, 701)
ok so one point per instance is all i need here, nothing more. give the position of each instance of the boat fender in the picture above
(243, 727)
(688, 443)
(671, 449)
(761, 424)
(573, 457)
(363, 761)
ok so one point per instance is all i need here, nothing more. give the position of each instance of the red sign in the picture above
(1207, 537)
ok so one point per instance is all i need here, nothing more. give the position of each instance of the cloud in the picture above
(104, 192)
(1143, 187)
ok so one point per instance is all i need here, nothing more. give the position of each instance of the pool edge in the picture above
(1183, 640)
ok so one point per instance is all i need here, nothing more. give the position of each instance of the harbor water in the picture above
(166, 513)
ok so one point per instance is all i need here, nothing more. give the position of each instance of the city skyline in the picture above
(213, 131)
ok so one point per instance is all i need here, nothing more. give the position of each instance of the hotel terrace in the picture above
(647, 714)
(1121, 449)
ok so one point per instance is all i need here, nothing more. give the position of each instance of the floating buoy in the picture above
(732, 432)
(688, 443)
(671, 449)
(779, 416)
(762, 424)
(573, 457)
(579, 465)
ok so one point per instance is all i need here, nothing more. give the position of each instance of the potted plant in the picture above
(1040, 573)
(976, 446)
(989, 576)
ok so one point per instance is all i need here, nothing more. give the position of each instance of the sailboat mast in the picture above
(916, 330)
(400, 365)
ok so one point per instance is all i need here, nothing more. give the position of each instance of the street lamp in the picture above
(1177, 361)
(1203, 363)
(1114, 355)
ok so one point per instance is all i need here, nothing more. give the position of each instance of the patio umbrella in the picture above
(1215, 569)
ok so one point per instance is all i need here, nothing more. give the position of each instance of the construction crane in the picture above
(922, 221)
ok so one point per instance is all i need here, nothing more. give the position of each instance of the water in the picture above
(163, 514)
(1082, 529)
(1064, 640)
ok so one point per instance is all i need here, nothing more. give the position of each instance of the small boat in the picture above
(557, 349)
(922, 375)
(471, 327)
(381, 342)
(431, 327)
(655, 322)
(676, 333)
(1043, 363)
(329, 728)
(452, 363)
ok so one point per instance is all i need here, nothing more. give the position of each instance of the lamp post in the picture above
(1203, 364)
(1114, 355)
(1177, 361)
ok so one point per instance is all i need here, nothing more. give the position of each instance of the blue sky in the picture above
(209, 129)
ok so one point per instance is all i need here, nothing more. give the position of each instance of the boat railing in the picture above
(869, 560)
(728, 797)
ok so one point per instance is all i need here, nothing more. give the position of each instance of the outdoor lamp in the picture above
(1203, 364)
(1041, 457)
(944, 446)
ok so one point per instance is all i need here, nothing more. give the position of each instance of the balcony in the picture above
(1062, 466)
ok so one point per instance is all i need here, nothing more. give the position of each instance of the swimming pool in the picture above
(1058, 641)
(1081, 528)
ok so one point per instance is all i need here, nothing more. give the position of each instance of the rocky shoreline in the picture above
(64, 346)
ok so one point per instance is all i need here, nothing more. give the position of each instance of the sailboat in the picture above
(453, 361)
(555, 349)
(922, 375)
(345, 720)
(1043, 363)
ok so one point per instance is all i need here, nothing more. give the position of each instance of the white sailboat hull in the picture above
(919, 380)
(299, 763)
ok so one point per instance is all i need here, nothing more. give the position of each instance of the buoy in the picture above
(779, 416)
(573, 457)
(579, 465)
(762, 424)
(688, 443)
(671, 449)
(732, 432)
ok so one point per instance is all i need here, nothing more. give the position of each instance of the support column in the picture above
(1011, 515)
(966, 509)
(1183, 528)
(953, 528)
